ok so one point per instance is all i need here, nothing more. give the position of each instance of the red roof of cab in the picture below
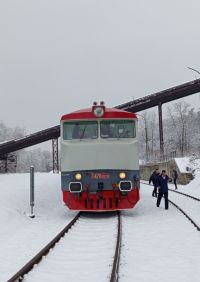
(88, 114)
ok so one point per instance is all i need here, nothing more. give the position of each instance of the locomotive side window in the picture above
(80, 130)
(117, 129)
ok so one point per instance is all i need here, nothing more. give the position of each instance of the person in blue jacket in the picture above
(163, 179)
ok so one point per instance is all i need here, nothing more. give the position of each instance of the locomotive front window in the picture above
(117, 129)
(80, 130)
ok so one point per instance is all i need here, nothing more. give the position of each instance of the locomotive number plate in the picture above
(100, 175)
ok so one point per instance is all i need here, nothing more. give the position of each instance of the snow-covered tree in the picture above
(181, 129)
(40, 159)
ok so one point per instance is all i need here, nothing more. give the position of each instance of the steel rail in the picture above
(185, 214)
(189, 196)
(115, 268)
(37, 258)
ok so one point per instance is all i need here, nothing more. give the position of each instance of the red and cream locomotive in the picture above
(99, 159)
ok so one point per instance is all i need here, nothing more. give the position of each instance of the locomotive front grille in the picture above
(110, 203)
(97, 203)
(104, 203)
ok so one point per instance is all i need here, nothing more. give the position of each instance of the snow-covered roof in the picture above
(183, 164)
(188, 164)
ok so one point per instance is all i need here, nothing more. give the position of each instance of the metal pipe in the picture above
(32, 196)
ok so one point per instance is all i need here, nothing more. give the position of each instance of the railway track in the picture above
(69, 257)
(185, 207)
(185, 214)
(186, 195)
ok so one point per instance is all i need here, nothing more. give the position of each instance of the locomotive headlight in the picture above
(98, 111)
(78, 176)
(122, 175)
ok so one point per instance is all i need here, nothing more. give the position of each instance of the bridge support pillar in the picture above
(161, 130)
(55, 155)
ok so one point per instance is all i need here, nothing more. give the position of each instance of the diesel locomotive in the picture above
(99, 159)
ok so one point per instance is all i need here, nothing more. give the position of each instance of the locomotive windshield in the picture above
(117, 129)
(108, 129)
(80, 130)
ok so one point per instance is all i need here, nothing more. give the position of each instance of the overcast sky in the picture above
(58, 56)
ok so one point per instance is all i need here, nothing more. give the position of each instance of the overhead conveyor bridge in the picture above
(30, 140)
(156, 99)
(162, 97)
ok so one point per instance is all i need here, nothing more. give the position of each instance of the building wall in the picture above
(147, 170)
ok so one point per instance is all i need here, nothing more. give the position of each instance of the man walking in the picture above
(154, 178)
(163, 179)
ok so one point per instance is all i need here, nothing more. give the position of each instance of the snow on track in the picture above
(85, 253)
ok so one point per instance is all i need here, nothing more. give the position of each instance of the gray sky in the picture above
(59, 56)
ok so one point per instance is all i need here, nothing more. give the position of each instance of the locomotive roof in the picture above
(88, 114)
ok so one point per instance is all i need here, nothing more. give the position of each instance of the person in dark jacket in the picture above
(154, 179)
(163, 179)
(175, 176)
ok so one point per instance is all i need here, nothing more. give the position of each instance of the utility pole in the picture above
(161, 130)
(55, 155)
(146, 136)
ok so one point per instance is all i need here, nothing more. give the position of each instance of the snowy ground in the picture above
(20, 236)
(158, 245)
